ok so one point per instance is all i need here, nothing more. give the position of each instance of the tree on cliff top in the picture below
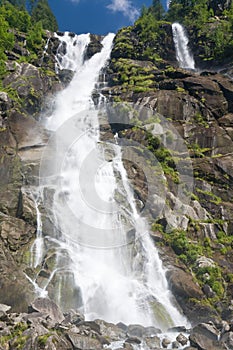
(42, 12)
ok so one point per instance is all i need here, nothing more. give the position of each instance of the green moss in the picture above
(180, 89)
(42, 339)
(212, 197)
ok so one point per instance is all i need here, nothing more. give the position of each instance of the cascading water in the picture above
(117, 278)
(183, 55)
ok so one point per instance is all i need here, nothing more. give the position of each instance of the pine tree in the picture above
(17, 3)
(157, 9)
(41, 11)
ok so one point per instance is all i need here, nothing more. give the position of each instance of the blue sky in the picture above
(96, 16)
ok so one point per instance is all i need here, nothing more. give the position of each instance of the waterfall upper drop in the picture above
(183, 54)
(94, 212)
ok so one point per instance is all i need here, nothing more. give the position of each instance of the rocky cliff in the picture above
(199, 105)
(195, 237)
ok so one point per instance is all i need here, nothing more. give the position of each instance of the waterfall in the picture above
(117, 277)
(183, 55)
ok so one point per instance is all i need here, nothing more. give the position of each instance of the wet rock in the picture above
(128, 346)
(135, 330)
(151, 331)
(47, 307)
(152, 342)
(133, 340)
(175, 345)
(182, 339)
(177, 329)
(166, 342)
(66, 75)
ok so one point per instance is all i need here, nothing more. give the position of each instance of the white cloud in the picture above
(124, 6)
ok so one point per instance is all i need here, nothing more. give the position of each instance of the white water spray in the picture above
(38, 245)
(120, 279)
(183, 54)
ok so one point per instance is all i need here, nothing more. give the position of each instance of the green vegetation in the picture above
(42, 339)
(16, 337)
(188, 249)
(131, 75)
(16, 20)
(41, 12)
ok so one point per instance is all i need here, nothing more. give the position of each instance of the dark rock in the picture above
(166, 342)
(205, 337)
(94, 46)
(66, 75)
(184, 288)
(182, 339)
(208, 291)
(177, 329)
(175, 345)
(133, 340)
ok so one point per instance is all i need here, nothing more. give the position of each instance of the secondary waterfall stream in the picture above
(183, 54)
(97, 267)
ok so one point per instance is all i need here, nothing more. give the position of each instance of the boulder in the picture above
(136, 330)
(48, 308)
(185, 291)
(111, 331)
(133, 340)
(182, 339)
(205, 337)
(166, 342)
(152, 342)
(81, 342)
